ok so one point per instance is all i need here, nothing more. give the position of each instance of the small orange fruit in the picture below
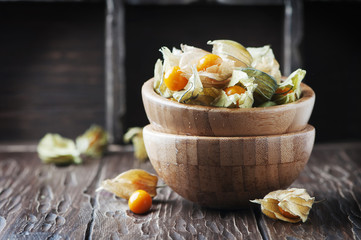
(140, 202)
(234, 89)
(174, 79)
(208, 61)
(284, 91)
(287, 214)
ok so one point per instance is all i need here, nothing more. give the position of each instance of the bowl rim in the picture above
(149, 128)
(307, 95)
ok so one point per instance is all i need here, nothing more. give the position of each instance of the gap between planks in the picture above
(91, 192)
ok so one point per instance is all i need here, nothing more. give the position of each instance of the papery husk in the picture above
(189, 57)
(191, 90)
(135, 135)
(233, 51)
(170, 58)
(186, 58)
(293, 82)
(159, 85)
(53, 148)
(93, 142)
(206, 97)
(240, 77)
(217, 76)
(211, 82)
(266, 85)
(265, 61)
(244, 100)
(130, 181)
(158, 76)
(295, 201)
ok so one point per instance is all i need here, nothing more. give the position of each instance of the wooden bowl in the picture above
(226, 172)
(172, 117)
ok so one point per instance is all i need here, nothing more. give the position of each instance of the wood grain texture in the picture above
(40, 201)
(172, 117)
(44, 201)
(225, 172)
(51, 66)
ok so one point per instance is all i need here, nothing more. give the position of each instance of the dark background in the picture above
(52, 60)
(51, 69)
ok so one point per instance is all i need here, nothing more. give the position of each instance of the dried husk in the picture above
(295, 201)
(189, 57)
(266, 85)
(265, 61)
(228, 49)
(217, 76)
(292, 82)
(53, 148)
(93, 142)
(206, 97)
(130, 181)
(135, 135)
(244, 100)
(191, 90)
(158, 76)
(171, 58)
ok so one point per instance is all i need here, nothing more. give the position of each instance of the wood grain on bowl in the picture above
(226, 172)
(172, 117)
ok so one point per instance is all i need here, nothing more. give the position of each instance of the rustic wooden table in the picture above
(39, 201)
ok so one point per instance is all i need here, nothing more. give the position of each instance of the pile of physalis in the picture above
(135, 185)
(53, 148)
(290, 205)
(229, 76)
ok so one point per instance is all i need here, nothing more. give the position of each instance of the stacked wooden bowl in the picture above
(222, 157)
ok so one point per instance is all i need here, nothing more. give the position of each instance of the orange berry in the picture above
(234, 89)
(284, 91)
(208, 61)
(140, 202)
(287, 214)
(174, 80)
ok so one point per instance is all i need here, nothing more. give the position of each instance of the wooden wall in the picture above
(51, 69)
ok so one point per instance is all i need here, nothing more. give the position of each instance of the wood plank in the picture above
(57, 71)
(171, 217)
(39, 201)
(115, 70)
(333, 177)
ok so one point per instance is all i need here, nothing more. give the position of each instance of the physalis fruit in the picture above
(140, 202)
(291, 205)
(126, 183)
